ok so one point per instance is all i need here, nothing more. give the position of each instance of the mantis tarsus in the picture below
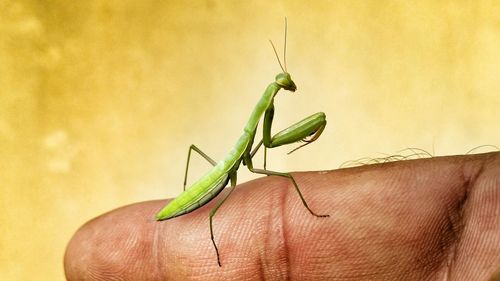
(213, 182)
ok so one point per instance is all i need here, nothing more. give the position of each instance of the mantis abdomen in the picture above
(208, 186)
(211, 185)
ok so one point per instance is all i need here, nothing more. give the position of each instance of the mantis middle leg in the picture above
(256, 148)
(232, 176)
(205, 156)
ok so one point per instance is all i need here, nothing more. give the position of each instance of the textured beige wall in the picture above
(99, 100)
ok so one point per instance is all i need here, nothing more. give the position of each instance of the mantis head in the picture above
(285, 81)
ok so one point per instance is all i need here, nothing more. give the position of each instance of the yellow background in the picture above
(99, 100)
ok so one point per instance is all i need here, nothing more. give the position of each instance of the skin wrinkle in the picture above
(156, 250)
(259, 232)
(284, 195)
(378, 205)
(261, 269)
(261, 259)
(275, 221)
(102, 270)
(456, 225)
(289, 212)
(485, 194)
(127, 243)
(99, 268)
(457, 217)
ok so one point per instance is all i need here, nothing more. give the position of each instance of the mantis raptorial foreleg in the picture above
(307, 130)
(214, 210)
(203, 154)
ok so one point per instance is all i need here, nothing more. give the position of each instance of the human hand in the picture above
(430, 219)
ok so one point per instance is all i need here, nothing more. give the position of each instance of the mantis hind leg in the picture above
(205, 156)
(214, 210)
(286, 175)
(292, 179)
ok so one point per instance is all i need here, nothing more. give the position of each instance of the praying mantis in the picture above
(215, 180)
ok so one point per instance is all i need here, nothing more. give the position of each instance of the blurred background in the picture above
(99, 100)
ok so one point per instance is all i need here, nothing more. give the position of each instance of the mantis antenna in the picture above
(277, 57)
(284, 48)
(284, 51)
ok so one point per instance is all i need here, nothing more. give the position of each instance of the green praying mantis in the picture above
(213, 182)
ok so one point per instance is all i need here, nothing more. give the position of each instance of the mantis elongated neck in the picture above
(259, 109)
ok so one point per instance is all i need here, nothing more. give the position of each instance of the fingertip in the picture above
(119, 243)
